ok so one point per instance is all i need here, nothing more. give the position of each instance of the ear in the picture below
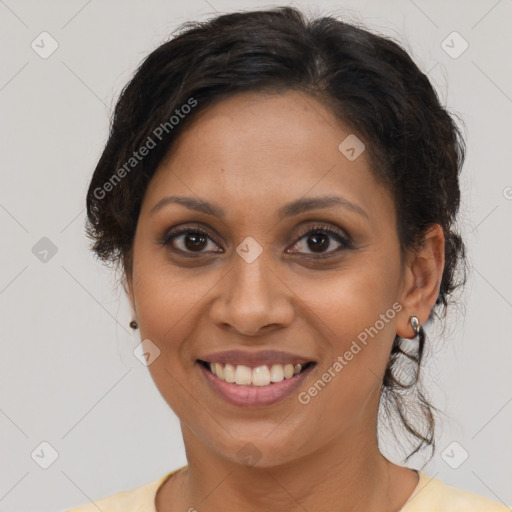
(127, 281)
(421, 283)
(128, 288)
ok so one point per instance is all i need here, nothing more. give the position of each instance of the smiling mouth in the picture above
(258, 376)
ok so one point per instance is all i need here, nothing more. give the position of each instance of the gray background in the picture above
(67, 372)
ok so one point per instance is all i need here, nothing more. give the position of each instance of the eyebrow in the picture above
(294, 208)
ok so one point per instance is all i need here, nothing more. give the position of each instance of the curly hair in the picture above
(368, 81)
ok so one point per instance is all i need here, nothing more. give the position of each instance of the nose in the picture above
(252, 299)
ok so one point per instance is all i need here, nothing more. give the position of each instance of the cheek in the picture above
(358, 327)
(357, 311)
(168, 306)
(164, 294)
(353, 299)
(167, 301)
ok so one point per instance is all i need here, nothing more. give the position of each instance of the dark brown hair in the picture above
(367, 81)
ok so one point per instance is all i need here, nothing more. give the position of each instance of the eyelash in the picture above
(344, 240)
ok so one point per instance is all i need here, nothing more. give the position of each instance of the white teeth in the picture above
(288, 371)
(219, 370)
(260, 376)
(229, 373)
(276, 373)
(243, 375)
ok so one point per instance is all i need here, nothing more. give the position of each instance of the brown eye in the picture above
(187, 240)
(193, 241)
(318, 242)
(319, 238)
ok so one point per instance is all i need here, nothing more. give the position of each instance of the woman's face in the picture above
(253, 283)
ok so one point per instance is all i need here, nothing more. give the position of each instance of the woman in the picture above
(280, 195)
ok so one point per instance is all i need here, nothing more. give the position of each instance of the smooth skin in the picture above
(250, 155)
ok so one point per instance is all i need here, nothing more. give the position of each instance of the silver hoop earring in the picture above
(414, 321)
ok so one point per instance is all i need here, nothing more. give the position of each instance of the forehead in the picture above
(264, 149)
(290, 129)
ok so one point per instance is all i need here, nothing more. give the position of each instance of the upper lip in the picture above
(260, 358)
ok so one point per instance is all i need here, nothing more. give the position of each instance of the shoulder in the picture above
(432, 495)
(140, 499)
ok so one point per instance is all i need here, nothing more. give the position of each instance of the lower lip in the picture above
(254, 396)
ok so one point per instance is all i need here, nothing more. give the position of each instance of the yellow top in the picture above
(430, 495)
